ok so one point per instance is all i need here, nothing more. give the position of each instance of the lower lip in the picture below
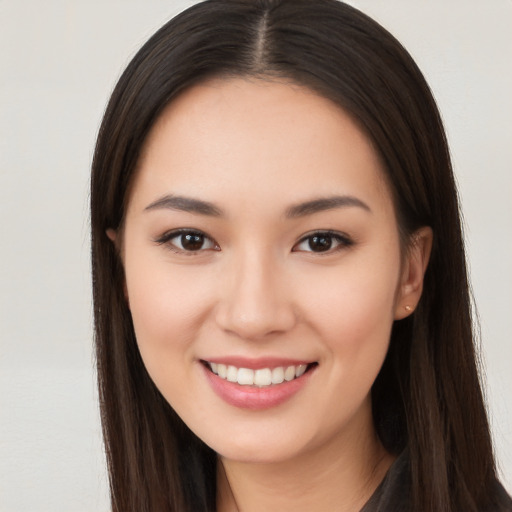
(252, 397)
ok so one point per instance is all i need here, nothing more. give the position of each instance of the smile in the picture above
(257, 384)
(260, 377)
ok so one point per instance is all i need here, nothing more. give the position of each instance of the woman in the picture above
(281, 301)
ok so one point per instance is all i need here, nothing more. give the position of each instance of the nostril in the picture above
(256, 322)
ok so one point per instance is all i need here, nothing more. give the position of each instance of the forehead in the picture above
(257, 139)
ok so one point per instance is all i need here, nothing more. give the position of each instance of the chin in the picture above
(263, 447)
(263, 453)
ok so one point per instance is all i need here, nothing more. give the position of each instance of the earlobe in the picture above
(415, 266)
(116, 239)
(112, 234)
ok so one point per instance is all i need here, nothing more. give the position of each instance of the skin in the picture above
(256, 288)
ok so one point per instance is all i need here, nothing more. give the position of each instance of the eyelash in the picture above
(166, 239)
(341, 241)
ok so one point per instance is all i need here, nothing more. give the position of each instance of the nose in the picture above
(255, 301)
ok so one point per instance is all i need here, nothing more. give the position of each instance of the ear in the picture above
(112, 235)
(413, 272)
(115, 238)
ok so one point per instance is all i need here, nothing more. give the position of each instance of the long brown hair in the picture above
(427, 396)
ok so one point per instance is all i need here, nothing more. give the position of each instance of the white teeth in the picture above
(261, 377)
(222, 370)
(289, 373)
(232, 374)
(245, 377)
(278, 375)
(300, 370)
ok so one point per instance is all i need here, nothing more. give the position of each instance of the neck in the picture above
(340, 475)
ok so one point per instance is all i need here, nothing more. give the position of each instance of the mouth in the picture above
(258, 377)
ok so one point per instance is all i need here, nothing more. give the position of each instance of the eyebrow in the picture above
(325, 203)
(185, 204)
(192, 205)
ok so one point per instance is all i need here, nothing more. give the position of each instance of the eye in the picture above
(322, 242)
(187, 241)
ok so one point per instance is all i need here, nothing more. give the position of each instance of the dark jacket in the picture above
(394, 492)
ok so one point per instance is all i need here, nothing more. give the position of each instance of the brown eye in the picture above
(323, 241)
(192, 241)
(187, 241)
(320, 243)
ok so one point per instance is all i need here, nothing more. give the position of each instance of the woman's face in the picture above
(263, 268)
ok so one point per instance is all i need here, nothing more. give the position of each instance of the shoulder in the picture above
(394, 492)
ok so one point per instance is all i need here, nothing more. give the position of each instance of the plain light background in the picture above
(59, 61)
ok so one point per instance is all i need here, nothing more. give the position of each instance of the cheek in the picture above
(354, 320)
(353, 311)
(357, 300)
(167, 306)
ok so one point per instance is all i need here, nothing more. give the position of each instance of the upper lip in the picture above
(256, 363)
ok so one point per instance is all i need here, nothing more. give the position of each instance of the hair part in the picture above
(427, 396)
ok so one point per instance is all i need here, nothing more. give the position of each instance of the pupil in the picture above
(320, 243)
(192, 241)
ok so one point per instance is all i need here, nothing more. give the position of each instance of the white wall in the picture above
(58, 63)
